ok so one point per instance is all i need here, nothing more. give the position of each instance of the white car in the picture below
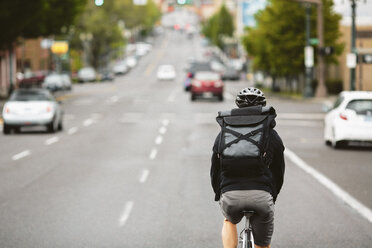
(120, 68)
(87, 74)
(166, 72)
(53, 82)
(350, 120)
(32, 107)
(131, 61)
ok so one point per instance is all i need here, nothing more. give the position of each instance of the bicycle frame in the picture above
(245, 234)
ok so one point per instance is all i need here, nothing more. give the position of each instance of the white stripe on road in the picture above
(72, 130)
(153, 154)
(163, 130)
(145, 173)
(165, 122)
(159, 140)
(51, 140)
(330, 185)
(87, 122)
(126, 212)
(21, 155)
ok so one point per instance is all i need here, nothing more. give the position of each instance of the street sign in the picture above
(139, 2)
(367, 58)
(351, 60)
(60, 47)
(314, 41)
(46, 43)
(309, 56)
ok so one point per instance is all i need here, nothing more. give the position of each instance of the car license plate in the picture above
(207, 94)
(368, 118)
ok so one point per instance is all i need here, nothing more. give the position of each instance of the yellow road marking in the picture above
(160, 54)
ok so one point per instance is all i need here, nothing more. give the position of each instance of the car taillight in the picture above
(343, 116)
(7, 110)
(189, 75)
(49, 109)
(196, 83)
(218, 84)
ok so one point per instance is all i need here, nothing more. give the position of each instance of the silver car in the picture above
(32, 107)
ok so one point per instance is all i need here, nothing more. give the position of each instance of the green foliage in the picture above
(31, 19)
(218, 25)
(277, 42)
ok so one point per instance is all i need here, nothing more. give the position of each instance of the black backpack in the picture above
(244, 140)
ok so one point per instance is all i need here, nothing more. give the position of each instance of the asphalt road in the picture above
(131, 169)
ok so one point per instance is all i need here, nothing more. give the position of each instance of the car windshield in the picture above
(210, 76)
(25, 96)
(361, 107)
(52, 78)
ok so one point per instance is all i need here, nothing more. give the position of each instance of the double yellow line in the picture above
(151, 66)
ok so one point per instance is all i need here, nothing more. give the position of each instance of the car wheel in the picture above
(50, 127)
(193, 97)
(6, 129)
(60, 126)
(220, 98)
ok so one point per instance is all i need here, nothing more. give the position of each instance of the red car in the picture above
(207, 84)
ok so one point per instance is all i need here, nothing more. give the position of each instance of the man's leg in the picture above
(256, 246)
(229, 235)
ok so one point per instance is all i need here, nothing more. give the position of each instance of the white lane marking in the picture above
(125, 214)
(21, 155)
(51, 140)
(145, 173)
(330, 185)
(172, 96)
(72, 130)
(87, 122)
(153, 154)
(301, 116)
(163, 130)
(300, 123)
(158, 140)
(165, 122)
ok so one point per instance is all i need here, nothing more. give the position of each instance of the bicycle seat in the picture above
(248, 213)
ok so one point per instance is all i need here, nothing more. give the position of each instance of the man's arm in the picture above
(215, 171)
(278, 164)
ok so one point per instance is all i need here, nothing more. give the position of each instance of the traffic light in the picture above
(326, 50)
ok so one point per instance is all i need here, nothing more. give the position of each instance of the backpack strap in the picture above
(242, 137)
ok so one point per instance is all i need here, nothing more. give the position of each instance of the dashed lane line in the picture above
(21, 155)
(144, 175)
(88, 122)
(165, 122)
(159, 140)
(153, 153)
(72, 130)
(125, 214)
(52, 140)
(163, 130)
(330, 185)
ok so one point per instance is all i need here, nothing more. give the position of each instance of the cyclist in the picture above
(257, 193)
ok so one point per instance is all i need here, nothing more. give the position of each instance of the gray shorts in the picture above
(261, 202)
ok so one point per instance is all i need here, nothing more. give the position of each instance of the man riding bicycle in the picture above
(247, 167)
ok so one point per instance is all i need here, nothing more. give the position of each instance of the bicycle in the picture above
(245, 240)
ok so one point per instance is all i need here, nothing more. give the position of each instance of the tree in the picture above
(31, 19)
(218, 25)
(277, 42)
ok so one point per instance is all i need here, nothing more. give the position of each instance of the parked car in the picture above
(207, 84)
(106, 75)
(32, 107)
(54, 82)
(350, 120)
(31, 78)
(230, 74)
(67, 84)
(166, 72)
(87, 74)
(120, 68)
(131, 61)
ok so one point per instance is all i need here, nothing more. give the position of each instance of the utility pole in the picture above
(321, 90)
(308, 92)
(353, 49)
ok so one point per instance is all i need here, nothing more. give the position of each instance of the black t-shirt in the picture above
(271, 181)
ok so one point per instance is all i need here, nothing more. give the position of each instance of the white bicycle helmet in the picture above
(250, 97)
